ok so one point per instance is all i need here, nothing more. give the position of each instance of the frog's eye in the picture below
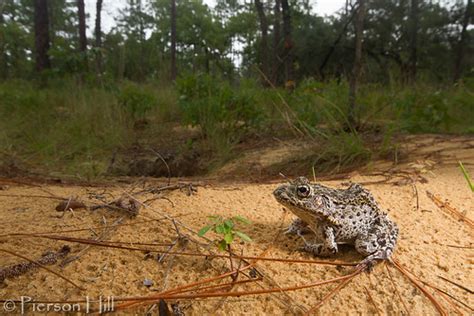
(303, 190)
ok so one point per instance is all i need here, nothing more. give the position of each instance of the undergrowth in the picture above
(74, 128)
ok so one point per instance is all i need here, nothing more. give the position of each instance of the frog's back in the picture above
(354, 208)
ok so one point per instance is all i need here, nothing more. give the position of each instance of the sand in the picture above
(433, 245)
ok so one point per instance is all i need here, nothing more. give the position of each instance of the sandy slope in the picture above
(425, 246)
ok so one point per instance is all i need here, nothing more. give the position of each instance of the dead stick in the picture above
(82, 229)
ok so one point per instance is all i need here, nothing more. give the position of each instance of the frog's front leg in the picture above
(298, 227)
(325, 242)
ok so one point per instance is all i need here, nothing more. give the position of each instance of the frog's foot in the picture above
(369, 262)
(319, 249)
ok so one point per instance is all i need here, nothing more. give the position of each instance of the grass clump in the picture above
(342, 151)
(224, 114)
(72, 128)
(147, 101)
(59, 127)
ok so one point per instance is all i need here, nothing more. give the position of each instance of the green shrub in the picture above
(136, 99)
(342, 151)
(223, 113)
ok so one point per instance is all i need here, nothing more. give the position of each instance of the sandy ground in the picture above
(434, 245)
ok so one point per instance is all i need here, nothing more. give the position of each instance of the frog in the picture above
(338, 216)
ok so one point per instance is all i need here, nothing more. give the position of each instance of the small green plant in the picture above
(466, 175)
(226, 228)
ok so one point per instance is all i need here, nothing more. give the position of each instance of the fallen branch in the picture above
(81, 229)
(70, 204)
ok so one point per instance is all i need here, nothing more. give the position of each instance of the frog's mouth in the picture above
(284, 196)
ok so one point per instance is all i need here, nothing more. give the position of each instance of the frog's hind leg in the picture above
(379, 242)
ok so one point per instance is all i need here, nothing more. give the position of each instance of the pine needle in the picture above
(414, 279)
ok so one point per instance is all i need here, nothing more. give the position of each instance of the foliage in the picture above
(217, 40)
(341, 151)
(224, 114)
(54, 126)
(136, 100)
(79, 116)
(226, 228)
(75, 127)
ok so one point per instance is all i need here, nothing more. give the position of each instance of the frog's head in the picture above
(303, 199)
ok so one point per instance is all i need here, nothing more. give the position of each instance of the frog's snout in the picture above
(281, 193)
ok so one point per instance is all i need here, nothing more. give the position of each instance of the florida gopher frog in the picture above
(336, 216)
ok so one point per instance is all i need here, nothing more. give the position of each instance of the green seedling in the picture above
(225, 227)
(466, 176)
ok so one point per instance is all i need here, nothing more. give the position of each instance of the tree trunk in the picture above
(121, 63)
(98, 36)
(207, 61)
(2, 5)
(462, 41)
(276, 43)
(3, 56)
(414, 18)
(359, 28)
(42, 43)
(82, 26)
(336, 43)
(174, 70)
(288, 48)
(264, 54)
